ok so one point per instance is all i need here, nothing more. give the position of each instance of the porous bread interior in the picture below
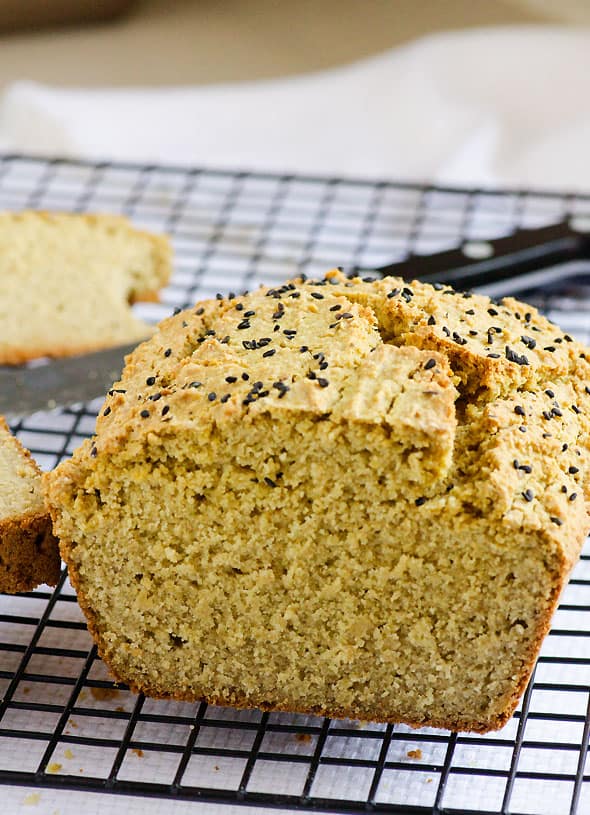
(333, 594)
(66, 282)
(290, 559)
(20, 484)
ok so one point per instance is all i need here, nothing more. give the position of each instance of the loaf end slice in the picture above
(67, 281)
(29, 552)
(287, 507)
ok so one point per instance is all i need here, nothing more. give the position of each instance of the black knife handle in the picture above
(479, 263)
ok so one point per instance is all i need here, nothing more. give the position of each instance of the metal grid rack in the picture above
(62, 722)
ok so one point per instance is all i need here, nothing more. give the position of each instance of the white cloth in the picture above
(504, 106)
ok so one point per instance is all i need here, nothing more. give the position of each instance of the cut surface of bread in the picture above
(66, 282)
(335, 497)
(29, 553)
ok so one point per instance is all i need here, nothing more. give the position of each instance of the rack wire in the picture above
(63, 724)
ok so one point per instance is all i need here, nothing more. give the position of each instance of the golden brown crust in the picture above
(29, 554)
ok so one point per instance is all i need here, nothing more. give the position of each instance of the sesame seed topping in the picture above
(167, 352)
(494, 356)
(165, 409)
(212, 396)
(573, 496)
(269, 482)
(393, 293)
(145, 414)
(550, 393)
(323, 383)
(317, 295)
(528, 495)
(303, 349)
(249, 313)
(512, 356)
(420, 501)
(270, 353)
(151, 380)
(245, 377)
(337, 307)
(520, 411)
(431, 363)
(195, 384)
(231, 379)
(573, 470)
(431, 320)
(243, 324)
(106, 411)
(155, 397)
(556, 521)
(224, 398)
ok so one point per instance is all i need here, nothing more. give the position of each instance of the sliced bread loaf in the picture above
(28, 551)
(66, 282)
(335, 497)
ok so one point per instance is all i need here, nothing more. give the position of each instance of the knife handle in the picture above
(480, 263)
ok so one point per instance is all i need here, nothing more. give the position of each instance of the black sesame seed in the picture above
(420, 501)
(244, 324)
(494, 356)
(167, 352)
(200, 311)
(438, 286)
(270, 353)
(151, 380)
(165, 409)
(176, 311)
(573, 470)
(470, 311)
(295, 295)
(429, 364)
(493, 312)
(564, 489)
(231, 379)
(587, 389)
(290, 333)
(528, 341)
(346, 315)
(512, 356)
(317, 296)
(393, 293)
(573, 496)
(269, 482)
(303, 349)
(556, 412)
(520, 411)
(337, 307)
(257, 386)
(224, 398)
(245, 377)
(239, 306)
(155, 397)
(219, 296)
(106, 411)
(431, 320)
(549, 348)
(212, 396)
(93, 452)
(515, 464)
(547, 415)
(145, 414)
(311, 375)
(528, 495)
(525, 468)
(323, 383)
(522, 429)
(556, 521)
(550, 394)
(195, 384)
(576, 409)
(564, 447)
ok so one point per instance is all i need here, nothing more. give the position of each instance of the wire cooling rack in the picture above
(63, 724)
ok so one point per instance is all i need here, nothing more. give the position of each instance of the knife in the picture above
(525, 259)
(47, 383)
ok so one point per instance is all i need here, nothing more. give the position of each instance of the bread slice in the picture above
(336, 497)
(29, 553)
(66, 282)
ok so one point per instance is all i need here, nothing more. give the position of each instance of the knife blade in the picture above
(45, 384)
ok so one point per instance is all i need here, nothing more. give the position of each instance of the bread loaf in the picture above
(339, 497)
(28, 551)
(66, 282)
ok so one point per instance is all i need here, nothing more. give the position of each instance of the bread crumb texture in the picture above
(29, 552)
(339, 497)
(66, 282)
